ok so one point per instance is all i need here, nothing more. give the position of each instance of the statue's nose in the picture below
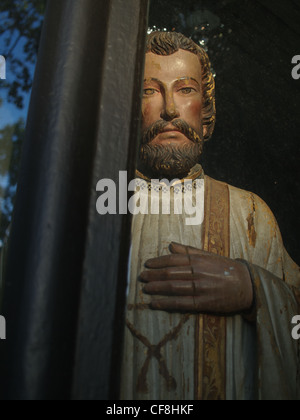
(170, 110)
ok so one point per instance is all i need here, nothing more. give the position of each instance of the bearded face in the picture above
(172, 140)
(169, 160)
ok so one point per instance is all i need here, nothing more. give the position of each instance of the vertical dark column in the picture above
(83, 126)
(99, 346)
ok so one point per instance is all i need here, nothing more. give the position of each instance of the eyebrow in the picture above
(153, 79)
(189, 78)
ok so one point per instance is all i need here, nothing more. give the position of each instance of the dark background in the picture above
(255, 145)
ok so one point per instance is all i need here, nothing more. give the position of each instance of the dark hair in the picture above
(167, 43)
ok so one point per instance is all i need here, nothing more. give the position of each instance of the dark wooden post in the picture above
(108, 241)
(67, 266)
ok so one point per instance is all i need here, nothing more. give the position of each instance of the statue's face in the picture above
(173, 91)
(172, 138)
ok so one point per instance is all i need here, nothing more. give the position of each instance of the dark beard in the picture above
(158, 162)
(161, 161)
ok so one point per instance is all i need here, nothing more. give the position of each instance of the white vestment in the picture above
(262, 358)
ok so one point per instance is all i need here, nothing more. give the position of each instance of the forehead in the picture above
(172, 67)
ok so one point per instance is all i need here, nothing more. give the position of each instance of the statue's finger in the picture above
(172, 273)
(173, 288)
(193, 304)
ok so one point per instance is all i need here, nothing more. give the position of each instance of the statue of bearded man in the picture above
(210, 304)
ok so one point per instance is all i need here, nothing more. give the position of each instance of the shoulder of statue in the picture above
(208, 179)
(246, 201)
(253, 208)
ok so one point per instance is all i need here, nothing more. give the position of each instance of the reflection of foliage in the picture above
(11, 138)
(20, 25)
(20, 29)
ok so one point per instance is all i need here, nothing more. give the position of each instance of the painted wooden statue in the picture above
(210, 304)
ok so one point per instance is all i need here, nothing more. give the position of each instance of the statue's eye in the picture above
(187, 90)
(149, 92)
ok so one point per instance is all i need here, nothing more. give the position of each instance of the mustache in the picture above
(158, 127)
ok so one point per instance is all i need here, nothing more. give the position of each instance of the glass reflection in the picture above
(20, 29)
(199, 20)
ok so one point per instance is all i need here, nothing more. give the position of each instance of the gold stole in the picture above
(210, 345)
